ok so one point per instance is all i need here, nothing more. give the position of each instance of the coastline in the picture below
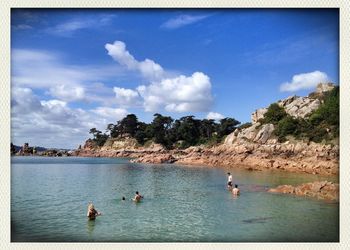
(314, 159)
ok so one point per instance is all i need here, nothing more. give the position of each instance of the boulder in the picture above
(264, 133)
(258, 114)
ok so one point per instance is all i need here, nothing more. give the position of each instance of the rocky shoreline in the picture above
(254, 147)
(324, 190)
(251, 148)
(309, 158)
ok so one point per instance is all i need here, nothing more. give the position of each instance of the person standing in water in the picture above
(235, 190)
(137, 197)
(229, 180)
(92, 212)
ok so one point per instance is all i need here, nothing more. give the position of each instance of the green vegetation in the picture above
(321, 125)
(181, 133)
(274, 114)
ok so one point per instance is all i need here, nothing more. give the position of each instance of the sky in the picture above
(75, 69)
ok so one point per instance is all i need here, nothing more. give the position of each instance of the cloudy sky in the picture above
(77, 69)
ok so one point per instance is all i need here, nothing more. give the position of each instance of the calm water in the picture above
(49, 198)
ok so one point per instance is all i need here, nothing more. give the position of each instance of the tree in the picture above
(287, 126)
(274, 114)
(227, 126)
(159, 129)
(189, 130)
(94, 132)
(207, 128)
(99, 138)
(129, 124)
(109, 129)
(328, 112)
(141, 132)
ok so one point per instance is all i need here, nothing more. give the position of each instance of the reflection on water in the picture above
(181, 204)
(90, 226)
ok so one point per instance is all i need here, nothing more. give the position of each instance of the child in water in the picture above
(92, 212)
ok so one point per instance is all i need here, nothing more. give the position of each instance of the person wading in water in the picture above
(92, 212)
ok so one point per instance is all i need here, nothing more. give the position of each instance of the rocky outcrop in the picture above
(256, 133)
(320, 190)
(258, 114)
(324, 87)
(311, 158)
(89, 145)
(124, 143)
(155, 158)
(298, 106)
(264, 133)
(118, 147)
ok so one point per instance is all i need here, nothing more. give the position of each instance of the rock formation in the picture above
(324, 87)
(297, 106)
(320, 190)
(258, 114)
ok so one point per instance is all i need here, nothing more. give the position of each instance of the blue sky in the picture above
(82, 68)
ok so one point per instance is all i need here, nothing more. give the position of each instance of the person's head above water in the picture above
(137, 192)
(91, 206)
(236, 186)
(123, 198)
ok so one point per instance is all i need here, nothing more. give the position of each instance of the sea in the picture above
(50, 195)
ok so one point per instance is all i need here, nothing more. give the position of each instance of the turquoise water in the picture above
(49, 198)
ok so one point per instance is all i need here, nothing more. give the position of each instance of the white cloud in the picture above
(305, 81)
(126, 97)
(68, 93)
(215, 116)
(111, 113)
(23, 101)
(179, 94)
(69, 27)
(182, 20)
(147, 68)
(172, 93)
(52, 123)
(54, 103)
(47, 71)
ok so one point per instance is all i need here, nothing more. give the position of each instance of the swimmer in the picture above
(235, 191)
(229, 180)
(92, 212)
(123, 198)
(137, 197)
